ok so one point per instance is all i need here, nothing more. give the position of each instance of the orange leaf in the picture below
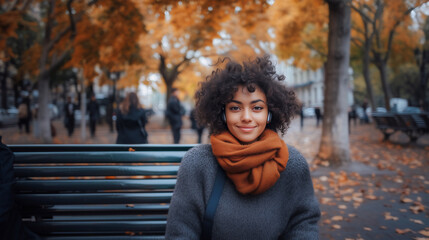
(402, 231)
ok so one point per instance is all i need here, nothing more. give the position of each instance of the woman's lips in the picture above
(246, 128)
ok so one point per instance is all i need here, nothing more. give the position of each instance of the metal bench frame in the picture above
(96, 191)
(413, 125)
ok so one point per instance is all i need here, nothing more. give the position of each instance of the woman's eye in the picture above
(234, 108)
(257, 108)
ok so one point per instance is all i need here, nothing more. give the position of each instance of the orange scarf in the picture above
(255, 167)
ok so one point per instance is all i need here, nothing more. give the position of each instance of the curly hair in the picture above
(220, 87)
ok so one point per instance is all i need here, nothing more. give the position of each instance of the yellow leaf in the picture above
(337, 218)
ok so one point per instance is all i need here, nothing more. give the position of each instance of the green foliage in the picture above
(405, 84)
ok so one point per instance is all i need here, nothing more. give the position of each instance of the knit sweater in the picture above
(288, 210)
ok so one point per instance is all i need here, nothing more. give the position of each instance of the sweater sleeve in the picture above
(303, 220)
(187, 204)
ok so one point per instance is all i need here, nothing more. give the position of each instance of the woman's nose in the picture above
(246, 116)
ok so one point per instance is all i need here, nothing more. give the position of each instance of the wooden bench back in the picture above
(96, 191)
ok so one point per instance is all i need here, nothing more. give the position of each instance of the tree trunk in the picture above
(424, 79)
(4, 85)
(82, 106)
(334, 145)
(381, 65)
(43, 116)
(365, 70)
(16, 94)
(169, 75)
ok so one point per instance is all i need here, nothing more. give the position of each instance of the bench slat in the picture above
(106, 227)
(97, 209)
(94, 185)
(99, 157)
(71, 192)
(93, 198)
(105, 238)
(100, 147)
(59, 171)
(135, 217)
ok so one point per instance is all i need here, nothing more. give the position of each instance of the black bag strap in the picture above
(212, 204)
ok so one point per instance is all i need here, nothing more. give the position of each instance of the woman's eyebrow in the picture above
(257, 100)
(252, 102)
(236, 101)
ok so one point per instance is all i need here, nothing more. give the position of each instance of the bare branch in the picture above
(72, 23)
(25, 5)
(364, 17)
(358, 42)
(11, 6)
(309, 45)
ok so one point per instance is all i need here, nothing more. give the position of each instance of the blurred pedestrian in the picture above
(131, 121)
(69, 118)
(174, 114)
(94, 112)
(24, 115)
(301, 115)
(194, 125)
(318, 114)
(365, 114)
(247, 184)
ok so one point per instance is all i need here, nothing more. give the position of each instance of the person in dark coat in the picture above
(131, 121)
(318, 114)
(94, 113)
(24, 115)
(69, 109)
(174, 114)
(194, 124)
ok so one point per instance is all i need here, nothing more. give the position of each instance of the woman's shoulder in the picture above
(296, 161)
(199, 152)
(199, 160)
(199, 156)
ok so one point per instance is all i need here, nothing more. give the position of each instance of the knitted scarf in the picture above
(255, 167)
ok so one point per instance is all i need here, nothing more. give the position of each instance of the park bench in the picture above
(413, 125)
(96, 191)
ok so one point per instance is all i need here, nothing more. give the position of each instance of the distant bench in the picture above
(96, 191)
(413, 125)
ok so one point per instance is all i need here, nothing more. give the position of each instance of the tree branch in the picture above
(72, 23)
(314, 49)
(11, 6)
(392, 31)
(358, 42)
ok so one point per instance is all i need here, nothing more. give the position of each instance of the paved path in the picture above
(383, 194)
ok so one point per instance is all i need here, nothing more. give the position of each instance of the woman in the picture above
(131, 121)
(268, 193)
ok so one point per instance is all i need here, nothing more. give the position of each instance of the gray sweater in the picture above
(288, 210)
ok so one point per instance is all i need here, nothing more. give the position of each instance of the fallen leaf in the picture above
(336, 226)
(371, 197)
(424, 233)
(387, 216)
(367, 229)
(416, 221)
(131, 150)
(402, 231)
(337, 218)
(342, 206)
(406, 200)
(323, 178)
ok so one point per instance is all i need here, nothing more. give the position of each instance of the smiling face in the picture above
(246, 114)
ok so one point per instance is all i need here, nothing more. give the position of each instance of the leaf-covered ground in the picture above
(383, 194)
